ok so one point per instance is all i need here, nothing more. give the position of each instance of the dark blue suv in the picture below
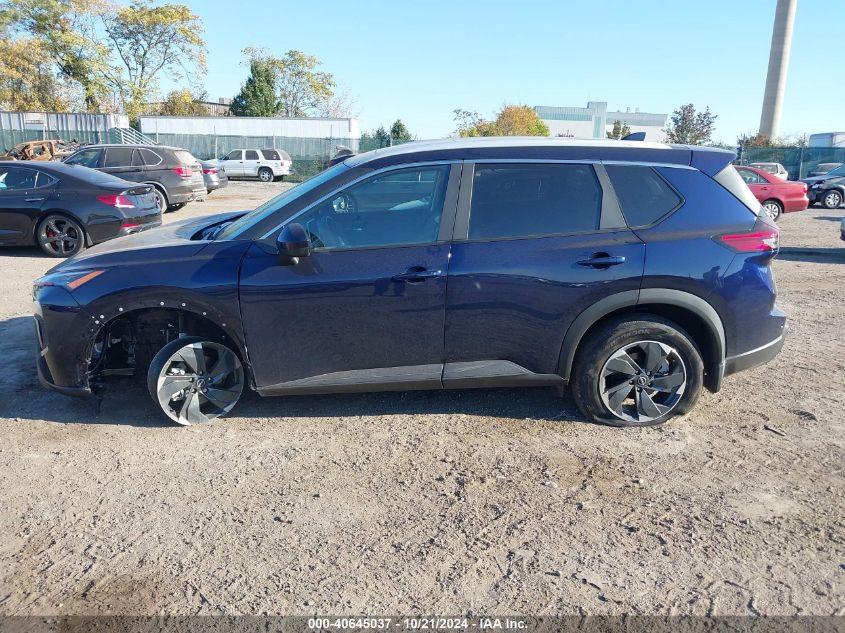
(635, 273)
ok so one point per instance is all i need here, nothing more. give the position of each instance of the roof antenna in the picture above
(634, 136)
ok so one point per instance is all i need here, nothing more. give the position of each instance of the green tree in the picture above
(27, 80)
(151, 40)
(399, 133)
(258, 95)
(381, 136)
(182, 103)
(66, 35)
(620, 130)
(689, 127)
(511, 120)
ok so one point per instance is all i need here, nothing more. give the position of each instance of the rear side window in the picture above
(270, 154)
(730, 179)
(118, 157)
(643, 195)
(524, 200)
(251, 154)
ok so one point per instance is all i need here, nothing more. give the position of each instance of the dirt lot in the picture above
(427, 502)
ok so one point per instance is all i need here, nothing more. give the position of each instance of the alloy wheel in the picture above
(265, 175)
(200, 382)
(832, 199)
(642, 381)
(772, 209)
(60, 236)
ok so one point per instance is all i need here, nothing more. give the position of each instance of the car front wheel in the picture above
(636, 371)
(194, 380)
(832, 199)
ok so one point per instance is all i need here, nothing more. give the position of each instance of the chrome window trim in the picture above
(352, 183)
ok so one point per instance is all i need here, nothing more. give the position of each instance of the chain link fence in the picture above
(798, 161)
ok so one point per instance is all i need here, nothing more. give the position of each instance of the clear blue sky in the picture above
(420, 60)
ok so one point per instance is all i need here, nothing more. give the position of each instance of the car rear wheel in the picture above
(161, 199)
(265, 174)
(636, 371)
(832, 199)
(60, 236)
(773, 209)
(194, 380)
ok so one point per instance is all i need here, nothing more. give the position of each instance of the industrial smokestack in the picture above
(778, 65)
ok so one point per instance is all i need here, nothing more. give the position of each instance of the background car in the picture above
(174, 173)
(63, 208)
(822, 168)
(776, 169)
(45, 149)
(265, 164)
(214, 175)
(828, 189)
(775, 195)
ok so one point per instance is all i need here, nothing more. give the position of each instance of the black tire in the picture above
(596, 350)
(775, 208)
(234, 384)
(265, 174)
(176, 207)
(831, 199)
(278, 179)
(59, 235)
(161, 199)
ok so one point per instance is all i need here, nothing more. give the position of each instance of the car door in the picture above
(21, 200)
(535, 245)
(366, 309)
(252, 161)
(233, 163)
(118, 161)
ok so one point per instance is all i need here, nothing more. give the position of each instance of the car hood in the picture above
(812, 180)
(125, 250)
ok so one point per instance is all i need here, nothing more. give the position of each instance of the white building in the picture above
(595, 121)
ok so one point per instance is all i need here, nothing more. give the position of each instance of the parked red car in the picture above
(777, 196)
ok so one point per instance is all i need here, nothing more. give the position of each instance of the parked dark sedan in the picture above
(828, 189)
(64, 208)
(637, 273)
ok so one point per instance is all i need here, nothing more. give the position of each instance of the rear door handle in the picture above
(416, 274)
(602, 261)
(34, 199)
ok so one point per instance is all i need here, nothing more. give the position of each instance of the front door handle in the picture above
(34, 199)
(602, 260)
(416, 274)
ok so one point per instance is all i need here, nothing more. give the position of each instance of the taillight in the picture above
(210, 171)
(758, 241)
(183, 172)
(118, 201)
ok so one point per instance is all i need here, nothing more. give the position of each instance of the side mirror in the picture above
(293, 242)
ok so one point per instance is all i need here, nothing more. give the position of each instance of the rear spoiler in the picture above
(139, 190)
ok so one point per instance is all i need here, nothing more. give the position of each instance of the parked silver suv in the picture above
(265, 164)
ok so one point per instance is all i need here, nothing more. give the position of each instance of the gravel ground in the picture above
(497, 501)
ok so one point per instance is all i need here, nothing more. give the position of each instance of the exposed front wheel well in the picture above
(126, 345)
(701, 333)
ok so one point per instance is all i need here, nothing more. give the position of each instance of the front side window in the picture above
(400, 207)
(533, 200)
(643, 195)
(251, 154)
(17, 178)
(118, 157)
(85, 157)
(235, 154)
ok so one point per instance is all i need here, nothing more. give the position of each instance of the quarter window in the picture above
(401, 207)
(523, 200)
(149, 157)
(643, 195)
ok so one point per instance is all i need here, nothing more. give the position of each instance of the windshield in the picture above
(240, 225)
(839, 171)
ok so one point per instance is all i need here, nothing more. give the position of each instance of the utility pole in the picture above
(778, 65)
